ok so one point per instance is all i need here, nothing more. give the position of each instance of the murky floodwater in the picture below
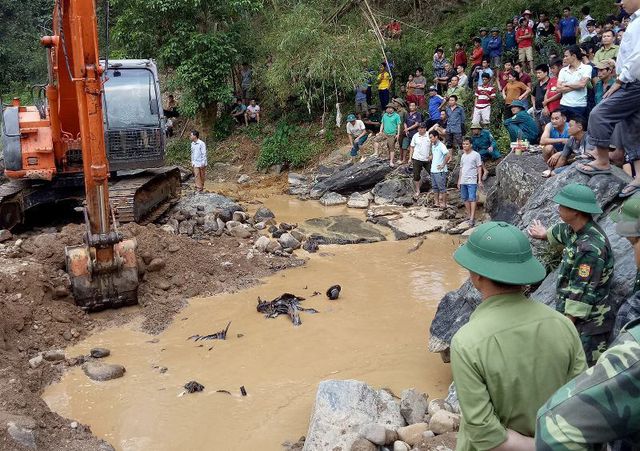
(376, 332)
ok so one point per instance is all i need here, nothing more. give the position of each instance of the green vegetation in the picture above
(289, 144)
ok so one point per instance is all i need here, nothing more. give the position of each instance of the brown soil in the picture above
(38, 313)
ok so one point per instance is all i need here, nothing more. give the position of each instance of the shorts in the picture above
(390, 140)
(362, 106)
(439, 182)
(418, 165)
(525, 54)
(469, 192)
(406, 142)
(357, 143)
(481, 115)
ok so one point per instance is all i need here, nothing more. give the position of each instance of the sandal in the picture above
(629, 190)
(592, 169)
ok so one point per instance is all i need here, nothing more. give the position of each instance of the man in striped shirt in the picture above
(484, 94)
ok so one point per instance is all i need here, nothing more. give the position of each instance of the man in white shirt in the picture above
(420, 154)
(357, 133)
(440, 156)
(615, 121)
(252, 114)
(582, 26)
(198, 160)
(572, 83)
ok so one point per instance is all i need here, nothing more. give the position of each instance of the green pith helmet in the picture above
(578, 197)
(627, 217)
(500, 252)
(351, 117)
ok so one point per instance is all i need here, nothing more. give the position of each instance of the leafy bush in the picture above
(222, 127)
(288, 144)
(178, 151)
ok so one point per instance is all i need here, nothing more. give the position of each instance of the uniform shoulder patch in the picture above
(584, 270)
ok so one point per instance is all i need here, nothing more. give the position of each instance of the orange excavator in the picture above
(59, 145)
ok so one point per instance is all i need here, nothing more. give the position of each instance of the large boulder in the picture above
(340, 230)
(395, 190)
(343, 409)
(208, 203)
(456, 307)
(330, 198)
(356, 177)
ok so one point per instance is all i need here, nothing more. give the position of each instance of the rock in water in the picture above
(413, 406)
(334, 292)
(331, 198)
(99, 353)
(263, 214)
(357, 177)
(310, 246)
(342, 409)
(357, 200)
(99, 371)
(193, 387)
(287, 240)
(392, 190)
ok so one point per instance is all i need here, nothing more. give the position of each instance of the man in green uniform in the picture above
(514, 352)
(586, 270)
(628, 226)
(602, 405)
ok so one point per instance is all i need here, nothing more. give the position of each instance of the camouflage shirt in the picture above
(585, 277)
(599, 406)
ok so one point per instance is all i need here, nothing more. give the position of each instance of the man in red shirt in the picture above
(551, 100)
(503, 75)
(476, 60)
(524, 38)
(459, 56)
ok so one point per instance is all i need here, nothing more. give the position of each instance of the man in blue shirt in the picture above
(521, 125)
(568, 27)
(495, 47)
(510, 37)
(435, 100)
(455, 122)
(484, 40)
(361, 100)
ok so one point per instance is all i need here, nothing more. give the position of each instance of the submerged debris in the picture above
(193, 387)
(333, 292)
(223, 391)
(221, 335)
(243, 391)
(285, 304)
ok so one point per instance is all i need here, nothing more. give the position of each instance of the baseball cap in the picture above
(606, 64)
(432, 88)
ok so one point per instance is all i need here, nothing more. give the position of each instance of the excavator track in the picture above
(143, 198)
(11, 203)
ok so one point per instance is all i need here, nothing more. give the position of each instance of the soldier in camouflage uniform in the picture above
(586, 270)
(627, 220)
(601, 405)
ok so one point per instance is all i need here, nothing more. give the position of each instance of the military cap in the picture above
(627, 217)
(519, 103)
(476, 125)
(351, 117)
(578, 197)
(500, 252)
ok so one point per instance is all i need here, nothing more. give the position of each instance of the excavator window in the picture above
(131, 100)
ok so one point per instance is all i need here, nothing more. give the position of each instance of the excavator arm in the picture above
(103, 270)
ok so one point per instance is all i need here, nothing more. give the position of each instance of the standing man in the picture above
(389, 132)
(572, 83)
(459, 56)
(524, 37)
(435, 101)
(454, 89)
(615, 121)
(510, 42)
(485, 93)
(420, 154)
(568, 27)
(582, 25)
(608, 50)
(440, 157)
(552, 97)
(455, 122)
(470, 179)
(539, 93)
(439, 70)
(411, 122)
(491, 356)
(484, 40)
(384, 85)
(484, 69)
(357, 133)
(495, 47)
(246, 76)
(198, 160)
(361, 100)
(419, 86)
(586, 270)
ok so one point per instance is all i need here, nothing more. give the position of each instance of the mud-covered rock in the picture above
(357, 177)
(331, 198)
(263, 214)
(357, 200)
(395, 190)
(261, 243)
(99, 371)
(287, 240)
(99, 353)
(343, 408)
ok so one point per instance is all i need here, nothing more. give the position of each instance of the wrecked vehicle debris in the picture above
(221, 335)
(193, 387)
(285, 304)
(333, 292)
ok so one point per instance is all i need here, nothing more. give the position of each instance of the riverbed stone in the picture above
(362, 444)
(273, 247)
(351, 178)
(23, 433)
(298, 235)
(287, 240)
(187, 227)
(99, 371)
(331, 198)
(36, 361)
(341, 229)
(357, 200)
(375, 433)
(261, 243)
(244, 178)
(412, 434)
(436, 405)
(409, 226)
(343, 408)
(239, 216)
(240, 231)
(53, 355)
(399, 445)
(443, 421)
(413, 405)
(99, 353)
(263, 214)
(394, 190)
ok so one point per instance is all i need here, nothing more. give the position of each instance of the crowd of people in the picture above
(557, 104)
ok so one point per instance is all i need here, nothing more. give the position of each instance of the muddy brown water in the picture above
(376, 331)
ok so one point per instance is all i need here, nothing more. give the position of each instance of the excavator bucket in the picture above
(94, 289)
